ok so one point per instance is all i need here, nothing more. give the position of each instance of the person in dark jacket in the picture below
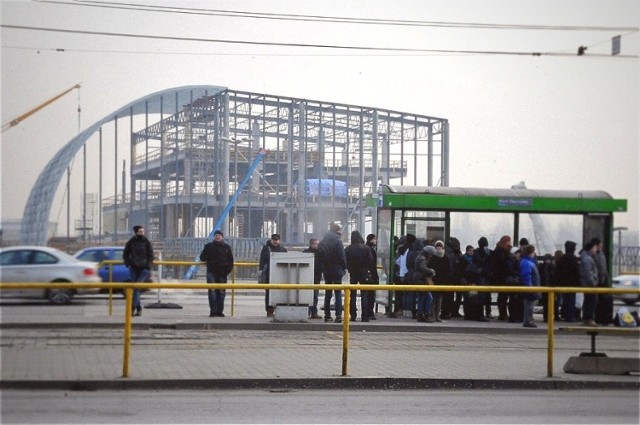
(138, 257)
(317, 276)
(374, 279)
(500, 270)
(451, 301)
(568, 274)
(440, 264)
(481, 257)
(272, 245)
(219, 258)
(334, 266)
(359, 261)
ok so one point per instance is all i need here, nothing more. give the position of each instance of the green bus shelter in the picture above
(400, 207)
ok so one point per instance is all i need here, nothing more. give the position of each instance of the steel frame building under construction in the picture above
(323, 159)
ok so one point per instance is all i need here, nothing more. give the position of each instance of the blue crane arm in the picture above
(233, 199)
(261, 154)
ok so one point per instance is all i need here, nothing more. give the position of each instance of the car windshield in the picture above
(97, 255)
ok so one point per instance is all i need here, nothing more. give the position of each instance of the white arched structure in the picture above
(38, 207)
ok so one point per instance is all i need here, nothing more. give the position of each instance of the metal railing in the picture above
(347, 288)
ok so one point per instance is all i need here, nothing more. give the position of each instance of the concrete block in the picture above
(602, 365)
(291, 313)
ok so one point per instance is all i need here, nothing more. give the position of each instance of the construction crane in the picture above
(27, 114)
(192, 271)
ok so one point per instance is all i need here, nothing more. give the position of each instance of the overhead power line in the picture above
(277, 44)
(332, 19)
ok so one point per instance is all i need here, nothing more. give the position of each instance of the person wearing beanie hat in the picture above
(219, 258)
(523, 242)
(138, 257)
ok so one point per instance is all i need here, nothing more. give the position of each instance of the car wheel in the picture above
(60, 296)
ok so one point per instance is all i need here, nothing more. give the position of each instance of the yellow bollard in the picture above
(345, 330)
(127, 332)
(233, 291)
(110, 290)
(550, 325)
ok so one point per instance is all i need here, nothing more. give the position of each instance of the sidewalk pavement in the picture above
(183, 348)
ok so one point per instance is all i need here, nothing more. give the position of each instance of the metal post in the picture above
(233, 291)
(551, 311)
(127, 332)
(345, 331)
(110, 289)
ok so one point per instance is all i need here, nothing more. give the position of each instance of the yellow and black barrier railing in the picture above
(347, 288)
(160, 263)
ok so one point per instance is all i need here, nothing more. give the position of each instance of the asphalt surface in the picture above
(80, 347)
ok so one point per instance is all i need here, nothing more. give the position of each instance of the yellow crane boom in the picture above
(27, 114)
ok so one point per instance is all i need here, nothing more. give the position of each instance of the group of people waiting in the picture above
(332, 261)
(418, 262)
(432, 263)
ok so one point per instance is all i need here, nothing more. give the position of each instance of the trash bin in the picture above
(291, 267)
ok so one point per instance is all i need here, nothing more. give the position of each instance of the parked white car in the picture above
(627, 281)
(45, 264)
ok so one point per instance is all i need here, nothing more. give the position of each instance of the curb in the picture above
(273, 326)
(283, 385)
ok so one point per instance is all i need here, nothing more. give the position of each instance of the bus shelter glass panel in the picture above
(383, 249)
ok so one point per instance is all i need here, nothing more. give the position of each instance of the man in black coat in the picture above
(138, 257)
(219, 258)
(568, 274)
(359, 261)
(334, 265)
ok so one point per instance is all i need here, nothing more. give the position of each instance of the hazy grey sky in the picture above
(556, 121)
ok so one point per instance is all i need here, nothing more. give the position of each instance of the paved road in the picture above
(317, 406)
(82, 343)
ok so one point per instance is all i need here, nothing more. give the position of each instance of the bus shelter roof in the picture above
(500, 200)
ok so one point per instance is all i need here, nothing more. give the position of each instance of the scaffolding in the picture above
(185, 165)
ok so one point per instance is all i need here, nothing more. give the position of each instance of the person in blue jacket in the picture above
(529, 276)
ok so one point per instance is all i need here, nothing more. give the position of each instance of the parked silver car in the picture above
(627, 281)
(45, 264)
